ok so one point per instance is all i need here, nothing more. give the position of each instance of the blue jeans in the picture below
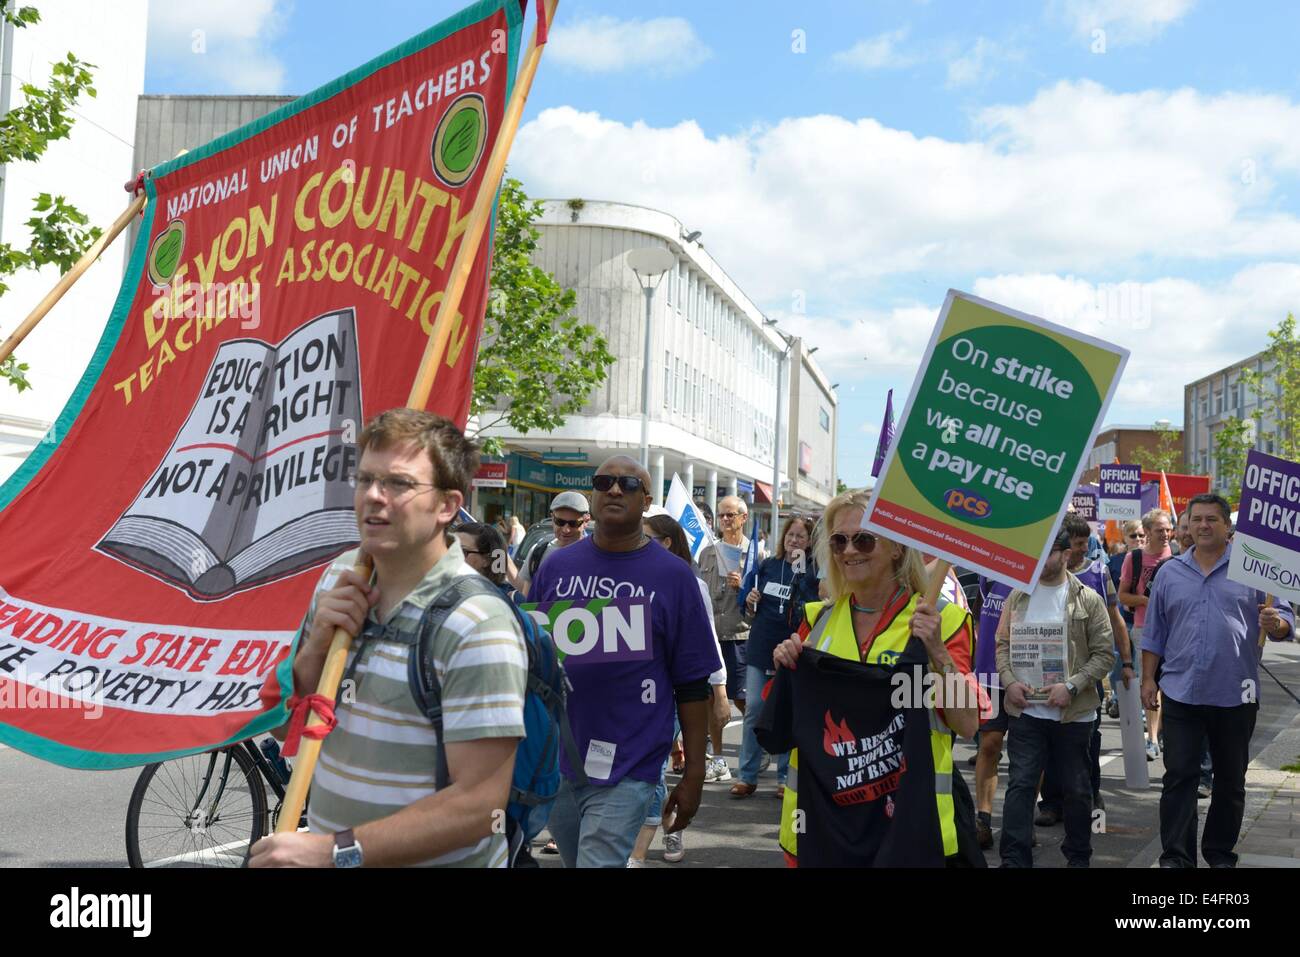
(1033, 744)
(596, 826)
(1117, 670)
(751, 755)
(654, 815)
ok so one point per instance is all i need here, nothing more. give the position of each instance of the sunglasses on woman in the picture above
(628, 483)
(863, 542)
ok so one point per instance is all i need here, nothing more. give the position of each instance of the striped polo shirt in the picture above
(382, 755)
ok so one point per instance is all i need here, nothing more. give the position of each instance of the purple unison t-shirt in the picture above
(627, 706)
(992, 595)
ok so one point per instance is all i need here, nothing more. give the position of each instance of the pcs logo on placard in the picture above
(966, 504)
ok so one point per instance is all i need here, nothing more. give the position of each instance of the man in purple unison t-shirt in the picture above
(621, 706)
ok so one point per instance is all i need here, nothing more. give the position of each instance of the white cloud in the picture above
(1079, 179)
(977, 63)
(666, 45)
(876, 53)
(222, 48)
(1124, 21)
(1177, 329)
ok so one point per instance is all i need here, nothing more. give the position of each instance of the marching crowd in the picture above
(809, 641)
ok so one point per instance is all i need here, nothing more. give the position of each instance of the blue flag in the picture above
(750, 581)
(464, 517)
(886, 436)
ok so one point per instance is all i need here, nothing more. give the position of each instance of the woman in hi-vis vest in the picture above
(876, 606)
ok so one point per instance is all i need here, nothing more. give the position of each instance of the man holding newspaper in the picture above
(1054, 645)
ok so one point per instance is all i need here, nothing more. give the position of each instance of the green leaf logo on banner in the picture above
(459, 140)
(165, 254)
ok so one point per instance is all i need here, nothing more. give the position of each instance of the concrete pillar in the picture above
(711, 491)
(689, 479)
(657, 476)
(733, 488)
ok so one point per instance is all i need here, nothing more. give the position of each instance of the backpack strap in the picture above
(535, 557)
(427, 690)
(421, 674)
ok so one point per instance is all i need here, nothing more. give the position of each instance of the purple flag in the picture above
(886, 436)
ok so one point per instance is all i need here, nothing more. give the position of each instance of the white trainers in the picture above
(717, 771)
(635, 862)
(1153, 750)
(674, 847)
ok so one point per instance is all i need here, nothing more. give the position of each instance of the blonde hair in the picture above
(909, 569)
(1153, 516)
(1131, 526)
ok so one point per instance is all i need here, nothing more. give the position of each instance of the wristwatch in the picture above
(1126, 664)
(347, 850)
(1071, 687)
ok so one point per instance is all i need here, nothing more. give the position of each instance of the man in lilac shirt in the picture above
(1203, 632)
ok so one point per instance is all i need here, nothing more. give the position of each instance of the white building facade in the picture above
(714, 371)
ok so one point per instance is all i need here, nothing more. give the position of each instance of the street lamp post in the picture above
(776, 430)
(648, 265)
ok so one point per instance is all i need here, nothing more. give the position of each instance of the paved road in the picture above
(53, 816)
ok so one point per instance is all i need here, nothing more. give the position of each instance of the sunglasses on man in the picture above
(568, 522)
(628, 483)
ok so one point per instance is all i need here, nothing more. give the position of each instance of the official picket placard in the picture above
(1119, 493)
(1266, 544)
(160, 545)
(1084, 502)
(597, 631)
(993, 439)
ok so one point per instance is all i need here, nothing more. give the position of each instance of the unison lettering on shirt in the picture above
(599, 630)
(597, 586)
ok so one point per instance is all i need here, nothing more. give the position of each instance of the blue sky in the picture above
(1125, 167)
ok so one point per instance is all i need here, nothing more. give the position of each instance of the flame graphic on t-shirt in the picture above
(835, 734)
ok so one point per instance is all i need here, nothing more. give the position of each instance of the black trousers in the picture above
(1186, 727)
(1052, 796)
(1033, 745)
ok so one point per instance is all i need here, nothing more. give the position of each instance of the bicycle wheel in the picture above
(203, 810)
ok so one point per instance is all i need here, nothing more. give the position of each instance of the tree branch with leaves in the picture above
(1233, 439)
(1277, 390)
(58, 230)
(537, 363)
(1168, 453)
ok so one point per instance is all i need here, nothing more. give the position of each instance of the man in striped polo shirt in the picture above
(374, 798)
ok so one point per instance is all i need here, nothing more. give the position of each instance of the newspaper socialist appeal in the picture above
(1038, 655)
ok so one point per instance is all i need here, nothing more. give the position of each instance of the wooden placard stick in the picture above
(295, 797)
(67, 280)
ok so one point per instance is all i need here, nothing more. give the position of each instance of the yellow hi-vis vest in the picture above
(833, 635)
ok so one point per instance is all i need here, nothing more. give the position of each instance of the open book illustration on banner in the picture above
(257, 485)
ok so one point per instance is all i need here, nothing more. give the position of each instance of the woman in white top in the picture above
(516, 534)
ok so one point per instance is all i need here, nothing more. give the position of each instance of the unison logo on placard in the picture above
(1257, 563)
